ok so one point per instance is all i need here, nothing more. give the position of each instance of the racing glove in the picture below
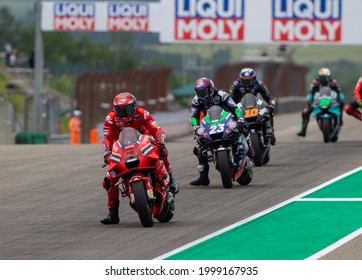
(271, 106)
(359, 102)
(162, 150)
(106, 156)
(243, 126)
(195, 128)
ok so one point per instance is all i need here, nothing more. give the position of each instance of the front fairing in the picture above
(254, 109)
(325, 104)
(218, 125)
(141, 156)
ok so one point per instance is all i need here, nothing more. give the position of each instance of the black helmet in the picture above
(324, 74)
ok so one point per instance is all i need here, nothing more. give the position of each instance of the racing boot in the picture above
(303, 131)
(305, 120)
(203, 180)
(112, 217)
(173, 185)
(273, 140)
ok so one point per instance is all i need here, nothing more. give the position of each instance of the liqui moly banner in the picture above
(205, 21)
(128, 17)
(74, 16)
(96, 16)
(307, 21)
(209, 20)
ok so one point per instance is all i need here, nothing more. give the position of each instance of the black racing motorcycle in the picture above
(256, 114)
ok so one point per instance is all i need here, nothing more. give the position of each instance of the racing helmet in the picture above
(247, 77)
(324, 74)
(124, 105)
(204, 89)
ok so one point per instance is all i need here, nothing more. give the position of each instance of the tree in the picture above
(9, 27)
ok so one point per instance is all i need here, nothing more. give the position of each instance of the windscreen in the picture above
(325, 91)
(214, 112)
(249, 100)
(128, 136)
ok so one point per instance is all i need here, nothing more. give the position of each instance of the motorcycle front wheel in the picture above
(142, 204)
(258, 152)
(224, 168)
(326, 129)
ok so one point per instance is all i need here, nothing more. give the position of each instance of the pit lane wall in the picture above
(223, 21)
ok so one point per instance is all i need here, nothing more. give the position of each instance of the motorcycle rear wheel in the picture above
(142, 204)
(224, 168)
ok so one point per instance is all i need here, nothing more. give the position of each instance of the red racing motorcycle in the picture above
(141, 176)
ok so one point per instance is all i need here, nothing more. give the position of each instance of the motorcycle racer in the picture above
(126, 113)
(248, 83)
(324, 78)
(206, 95)
(352, 107)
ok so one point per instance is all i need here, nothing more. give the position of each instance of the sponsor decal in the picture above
(147, 150)
(109, 120)
(307, 20)
(121, 101)
(200, 131)
(74, 16)
(209, 20)
(115, 159)
(128, 17)
(231, 124)
(154, 124)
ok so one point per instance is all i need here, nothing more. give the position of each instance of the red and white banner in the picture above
(205, 21)
(307, 21)
(213, 20)
(127, 17)
(74, 16)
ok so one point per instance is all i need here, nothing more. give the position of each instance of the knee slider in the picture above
(202, 168)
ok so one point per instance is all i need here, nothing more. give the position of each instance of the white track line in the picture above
(335, 245)
(330, 199)
(298, 197)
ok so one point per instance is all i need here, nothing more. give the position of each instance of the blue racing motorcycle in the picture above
(225, 146)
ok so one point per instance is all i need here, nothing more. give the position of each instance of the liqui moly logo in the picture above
(209, 20)
(128, 17)
(307, 20)
(74, 16)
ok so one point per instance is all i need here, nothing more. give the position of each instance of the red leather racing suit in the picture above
(141, 120)
(352, 107)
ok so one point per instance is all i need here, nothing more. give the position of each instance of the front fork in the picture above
(146, 182)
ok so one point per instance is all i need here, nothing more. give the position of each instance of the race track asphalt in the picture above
(51, 196)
